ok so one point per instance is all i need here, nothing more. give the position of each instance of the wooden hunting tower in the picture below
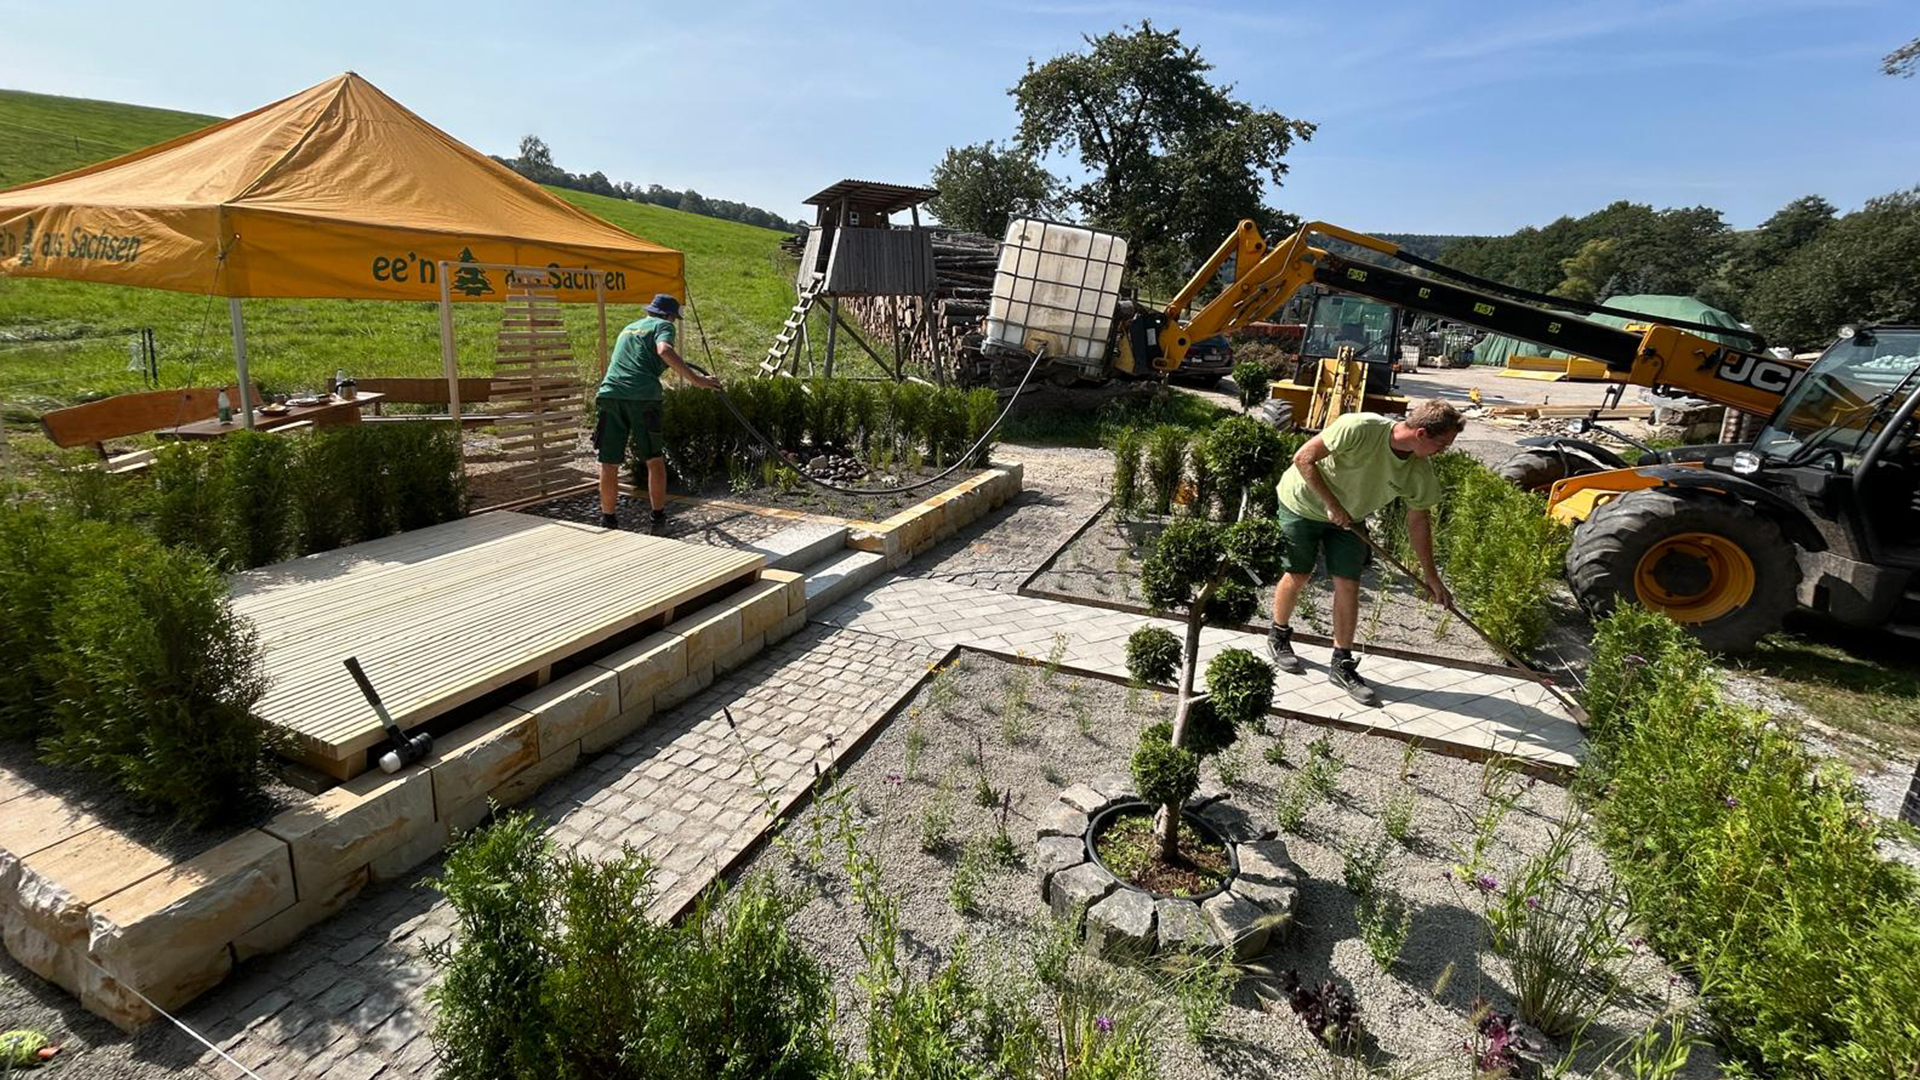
(854, 248)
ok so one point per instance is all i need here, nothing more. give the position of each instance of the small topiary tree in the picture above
(1194, 568)
(1153, 654)
(1242, 452)
(1252, 378)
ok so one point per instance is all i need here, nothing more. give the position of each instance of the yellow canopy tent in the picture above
(336, 192)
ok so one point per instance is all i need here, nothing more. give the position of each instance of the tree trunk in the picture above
(1166, 822)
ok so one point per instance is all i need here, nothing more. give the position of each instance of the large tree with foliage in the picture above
(1864, 267)
(984, 186)
(1650, 251)
(1174, 160)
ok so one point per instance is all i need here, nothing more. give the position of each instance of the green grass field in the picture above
(62, 342)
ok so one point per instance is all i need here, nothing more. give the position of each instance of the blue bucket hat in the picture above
(664, 306)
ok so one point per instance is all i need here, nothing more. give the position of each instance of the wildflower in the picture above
(1731, 802)
(894, 778)
(1533, 903)
(1486, 883)
(1103, 1024)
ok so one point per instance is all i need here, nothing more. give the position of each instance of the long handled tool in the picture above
(1546, 681)
(402, 749)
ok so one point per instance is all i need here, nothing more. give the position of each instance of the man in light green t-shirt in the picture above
(628, 408)
(1358, 465)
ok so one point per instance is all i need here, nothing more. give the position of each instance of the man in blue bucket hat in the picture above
(629, 408)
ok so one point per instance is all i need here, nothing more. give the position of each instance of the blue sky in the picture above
(1434, 117)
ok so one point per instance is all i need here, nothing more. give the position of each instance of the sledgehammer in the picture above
(1546, 681)
(402, 750)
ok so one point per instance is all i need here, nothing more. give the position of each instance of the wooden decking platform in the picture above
(443, 615)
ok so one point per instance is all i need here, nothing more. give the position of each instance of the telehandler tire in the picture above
(1711, 563)
(1538, 470)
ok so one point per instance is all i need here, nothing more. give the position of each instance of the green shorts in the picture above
(622, 422)
(1346, 553)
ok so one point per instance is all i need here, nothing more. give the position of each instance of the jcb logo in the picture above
(1746, 369)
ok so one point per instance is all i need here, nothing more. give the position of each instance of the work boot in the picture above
(1345, 674)
(609, 521)
(1280, 647)
(657, 523)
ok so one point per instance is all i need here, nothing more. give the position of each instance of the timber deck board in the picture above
(443, 615)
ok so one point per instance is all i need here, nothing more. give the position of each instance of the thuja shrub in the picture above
(1153, 654)
(555, 969)
(1252, 378)
(129, 662)
(1166, 457)
(256, 498)
(424, 472)
(1752, 863)
(1127, 446)
(982, 409)
(185, 497)
(1205, 482)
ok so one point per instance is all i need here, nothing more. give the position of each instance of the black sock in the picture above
(1280, 630)
(1342, 654)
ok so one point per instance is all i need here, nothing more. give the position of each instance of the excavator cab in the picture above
(1821, 511)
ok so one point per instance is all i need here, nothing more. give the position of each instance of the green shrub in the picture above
(324, 473)
(45, 556)
(1242, 452)
(554, 969)
(982, 409)
(1127, 445)
(426, 479)
(1208, 731)
(1240, 686)
(149, 677)
(1252, 378)
(256, 498)
(1166, 448)
(1751, 862)
(1164, 774)
(1232, 604)
(185, 499)
(1205, 483)
(1152, 654)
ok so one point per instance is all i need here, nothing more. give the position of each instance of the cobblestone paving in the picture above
(1467, 709)
(1060, 489)
(348, 1001)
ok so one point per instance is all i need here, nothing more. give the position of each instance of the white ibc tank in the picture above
(1056, 286)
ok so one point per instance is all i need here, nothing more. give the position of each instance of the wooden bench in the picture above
(118, 417)
(428, 392)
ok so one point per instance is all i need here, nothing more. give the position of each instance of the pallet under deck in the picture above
(441, 616)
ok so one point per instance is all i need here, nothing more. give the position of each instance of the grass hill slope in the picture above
(62, 342)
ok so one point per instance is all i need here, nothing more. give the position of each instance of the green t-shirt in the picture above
(634, 370)
(1363, 471)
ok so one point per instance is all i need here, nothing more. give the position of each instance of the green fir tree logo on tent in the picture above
(471, 280)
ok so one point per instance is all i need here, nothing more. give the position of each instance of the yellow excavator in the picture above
(1821, 511)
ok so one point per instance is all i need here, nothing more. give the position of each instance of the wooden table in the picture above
(326, 414)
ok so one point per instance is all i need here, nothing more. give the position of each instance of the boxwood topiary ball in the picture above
(1152, 654)
(1239, 686)
(1163, 773)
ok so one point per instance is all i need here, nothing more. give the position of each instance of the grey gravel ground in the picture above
(92, 1049)
(1409, 1022)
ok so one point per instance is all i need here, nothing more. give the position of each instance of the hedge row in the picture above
(124, 658)
(882, 422)
(1200, 470)
(1753, 863)
(252, 498)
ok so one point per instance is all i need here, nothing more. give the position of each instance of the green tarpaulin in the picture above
(1494, 349)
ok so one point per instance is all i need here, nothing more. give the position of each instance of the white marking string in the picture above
(177, 1022)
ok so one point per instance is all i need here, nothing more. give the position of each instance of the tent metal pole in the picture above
(450, 362)
(600, 299)
(240, 360)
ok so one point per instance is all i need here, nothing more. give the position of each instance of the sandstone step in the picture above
(798, 547)
(830, 581)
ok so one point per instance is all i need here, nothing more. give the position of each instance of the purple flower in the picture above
(894, 778)
(1103, 1024)
(1533, 903)
(1731, 802)
(1486, 883)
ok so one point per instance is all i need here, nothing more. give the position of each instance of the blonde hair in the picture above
(1436, 417)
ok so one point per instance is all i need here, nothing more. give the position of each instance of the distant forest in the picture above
(1425, 245)
(536, 164)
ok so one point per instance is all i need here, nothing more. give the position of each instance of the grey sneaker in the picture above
(1345, 674)
(1280, 648)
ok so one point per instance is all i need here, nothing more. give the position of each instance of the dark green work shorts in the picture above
(1346, 553)
(622, 422)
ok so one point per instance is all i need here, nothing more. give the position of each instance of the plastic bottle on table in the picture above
(224, 407)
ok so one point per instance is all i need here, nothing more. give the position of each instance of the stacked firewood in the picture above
(939, 334)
